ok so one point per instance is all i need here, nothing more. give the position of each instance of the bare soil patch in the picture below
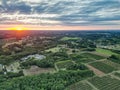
(96, 71)
(37, 70)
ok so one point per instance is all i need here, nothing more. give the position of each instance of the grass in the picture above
(105, 83)
(69, 38)
(105, 51)
(103, 67)
(64, 64)
(55, 49)
(93, 56)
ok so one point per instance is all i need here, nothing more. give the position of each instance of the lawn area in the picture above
(93, 56)
(104, 51)
(103, 67)
(64, 64)
(55, 49)
(69, 38)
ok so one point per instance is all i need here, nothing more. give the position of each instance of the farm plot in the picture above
(115, 65)
(81, 59)
(64, 64)
(84, 60)
(37, 70)
(93, 56)
(69, 38)
(103, 67)
(105, 83)
(55, 49)
(105, 51)
(117, 74)
(80, 86)
(85, 57)
(96, 71)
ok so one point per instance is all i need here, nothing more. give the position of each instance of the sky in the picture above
(60, 14)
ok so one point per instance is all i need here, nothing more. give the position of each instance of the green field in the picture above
(80, 58)
(80, 86)
(104, 51)
(103, 67)
(105, 83)
(115, 65)
(92, 56)
(69, 38)
(55, 49)
(64, 64)
(84, 60)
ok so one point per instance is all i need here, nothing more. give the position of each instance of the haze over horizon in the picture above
(60, 15)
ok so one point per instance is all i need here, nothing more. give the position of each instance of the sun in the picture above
(18, 28)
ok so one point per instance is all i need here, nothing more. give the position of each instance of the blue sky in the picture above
(61, 12)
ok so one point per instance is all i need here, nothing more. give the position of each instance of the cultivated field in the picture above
(36, 70)
(64, 64)
(104, 51)
(115, 65)
(93, 56)
(105, 83)
(69, 38)
(55, 49)
(103, 67)
(80, 86)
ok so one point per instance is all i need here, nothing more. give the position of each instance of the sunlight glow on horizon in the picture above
(57, 27)
(18, 28)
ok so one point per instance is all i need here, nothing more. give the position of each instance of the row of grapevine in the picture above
(105, 83)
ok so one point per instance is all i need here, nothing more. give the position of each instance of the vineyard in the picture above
(103, 67)
(115, 65)
(64, 64)
(80, 86)
(105, 83)
(117, 74)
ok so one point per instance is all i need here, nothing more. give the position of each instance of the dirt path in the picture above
(115, 77)
(56, 67)
(96, 71)
(91, 85)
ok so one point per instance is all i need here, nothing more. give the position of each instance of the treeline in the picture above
(114, 58)
(44, 63)
(9, 75)
(77, 67)
(53, 81)
(7, 59)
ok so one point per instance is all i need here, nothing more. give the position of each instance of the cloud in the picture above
(62, 12)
